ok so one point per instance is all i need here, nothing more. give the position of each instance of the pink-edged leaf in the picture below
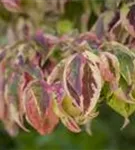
(40, 91)
(39, 107)
(46, 123)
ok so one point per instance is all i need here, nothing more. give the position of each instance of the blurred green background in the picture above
(106, 136)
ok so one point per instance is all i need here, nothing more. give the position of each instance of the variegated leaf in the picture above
(110, 69)
(13, 99)
(82, 80)
(39, 112)
(66, 119)
(46, 123)
(125, 92)
(121, 107)
(125, 57)
(59, 98)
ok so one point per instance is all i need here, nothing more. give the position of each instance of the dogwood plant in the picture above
(47, 79)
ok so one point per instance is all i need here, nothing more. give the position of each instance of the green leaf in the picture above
(125, 58)
(64, 26)
(124, 109)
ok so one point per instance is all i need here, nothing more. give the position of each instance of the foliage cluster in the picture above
(52, 72)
